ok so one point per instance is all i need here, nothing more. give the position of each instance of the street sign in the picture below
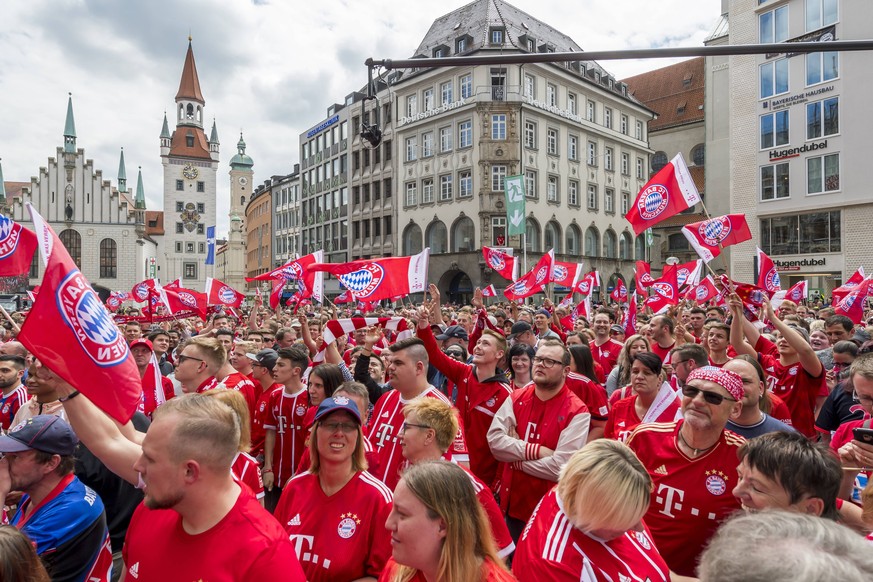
(515, 205)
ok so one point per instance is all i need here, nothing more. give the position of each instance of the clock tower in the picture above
(240, 191)
(190, 162)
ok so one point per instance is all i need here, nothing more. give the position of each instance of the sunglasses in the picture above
(713, 398)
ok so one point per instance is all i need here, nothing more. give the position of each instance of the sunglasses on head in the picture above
(710, 397)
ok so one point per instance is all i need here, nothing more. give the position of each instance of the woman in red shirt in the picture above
(653, 399)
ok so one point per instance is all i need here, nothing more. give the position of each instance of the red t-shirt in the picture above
(779, 410)
(247, 544)
(262, 408)
(385, 423)
(242, 384)
(663, 353)
(341, 537)
(691, 497)
(607, 354)
(286, 412)
(551, 548)
(589, 392)
(624, 417)
(10, 404)
(246, 471)
(489, 573)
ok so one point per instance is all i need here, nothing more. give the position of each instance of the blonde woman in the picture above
(439, 531)
(589, 526)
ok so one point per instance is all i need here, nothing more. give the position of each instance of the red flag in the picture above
(702, 292)
(853, 304)
(643, 276)
(116, 298)
(140, 291)
(299, 270)
(669, 192)
(666, 290)
(768, 276)
(630, 316)
(218, 293)
(752, 295)
(588, 283)
(708, 237)
(489, 291)
(566, 274)
(343, 297)
(798, 292)
(276, 293)
(376, 279)
(533, 281)
(178, 300)
(689, 273)
(619, 294)
(849, 286)
(177, 284)
(17, 245)
(501, 260)
(70, 330)
(566, 301)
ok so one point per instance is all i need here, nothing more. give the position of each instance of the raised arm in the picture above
(805, 353)
(738, 328)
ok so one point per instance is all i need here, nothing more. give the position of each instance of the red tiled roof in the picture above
(156, 216)
(13, 189)
(676, 93)
(179, 145)
(189, 86)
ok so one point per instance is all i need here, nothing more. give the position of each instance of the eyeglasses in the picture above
(546, 362)
(713, 398)
(680, 362)
(406, 425)
(862, 399)
(346, 427)
(184, 358)
(455, 354)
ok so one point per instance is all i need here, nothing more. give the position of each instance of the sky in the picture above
(268, 68)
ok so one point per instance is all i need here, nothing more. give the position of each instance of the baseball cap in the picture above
(266, 357)
(544, 312)
(616, 329)
(453, 331)
(518, 328)
(331, 405)
(141, 342)
(47, 433)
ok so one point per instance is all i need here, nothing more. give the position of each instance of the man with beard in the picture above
(14, 394)
(604, 349)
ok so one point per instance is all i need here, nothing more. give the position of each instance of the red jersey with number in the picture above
(551, 548)
(796, 387)
(589, 392)
(607, 354)
(246, 471)
(340, 537)
(384, 435)
(286, 414)
(691, 496)
(247, 544)
(10, 404)
(262, 409)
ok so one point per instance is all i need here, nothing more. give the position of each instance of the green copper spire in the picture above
(213, 137)
(70, 128)
(2, 187)
(241, 161)
(122, 174)
(139, 200)
(165, 131)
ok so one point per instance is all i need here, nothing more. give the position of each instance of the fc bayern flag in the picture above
(689, 273)
(534, 281)
(630, 317)
(666, 290)
(643, 276)
(768, 276)
(343, 297)
(17, 245)
(72, 333)
(669, 192)
(179, 300)
(489, 291)
(372, 280)
(702, 292)
(853, 304)
(116, 298)
(566, 274)
(709, 236)
(218, 293)
(588, 283)
(298, 269)
(619, 294)
(276, 293)
(751, 295)
(501, 260)
(856, 279)
(798, 291)
(140, 291)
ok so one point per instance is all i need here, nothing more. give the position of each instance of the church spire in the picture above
(189, 86)
(213, 137)
(139, 200)
(70, 128)
(122, 173)
(165, 130)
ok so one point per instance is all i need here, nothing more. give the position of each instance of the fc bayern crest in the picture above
(364, 282)
(714, 231)
(519, 288)
(496, 261)
(584, 287)
(227, 294)
(347, 526)
(663, 289)
(643, 540)
(541, 275)
(771, 279)
(187, 299)
(653, 201)
(82, 311)
(560, 273)
(682, 275)
(341, 400)
(10, 233)
(715, 484)
(141, 292)
(293, 271)
(700, 293)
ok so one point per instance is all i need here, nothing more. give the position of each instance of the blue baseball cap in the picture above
(47, 433)
(331, 405)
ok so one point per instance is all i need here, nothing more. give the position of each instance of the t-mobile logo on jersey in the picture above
(303, 546)
(667, 500)
(530, 433)
(384, 434)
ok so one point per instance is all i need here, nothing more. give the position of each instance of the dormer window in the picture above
(497, 36)
(461, 45)
(437, 53)
(531, 45)
(189, 140)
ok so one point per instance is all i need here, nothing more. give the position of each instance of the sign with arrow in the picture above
(515, 205)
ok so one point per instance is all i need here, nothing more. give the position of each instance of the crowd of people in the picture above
(453, 443)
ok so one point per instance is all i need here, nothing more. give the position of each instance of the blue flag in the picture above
(210, 245)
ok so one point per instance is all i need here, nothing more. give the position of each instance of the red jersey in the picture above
(691, 497)
(285, 417)
(489, 572)
(560, 423)
(246, 471)
(606, 354)
(262, 408)
(341, 537)
(247, 544)
(779, 410)
(242, 384)
(663, 353)
(10, 404)
(550, 548)
(499, 531)
(589, 392)
(624, 418)
(384, 435)
(796, 387)
(209, 384)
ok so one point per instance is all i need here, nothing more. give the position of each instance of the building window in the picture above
(774, 78)
(823, 174)
(180, 228)
(573, 193)
(411, 148)
(530, 184)
(445, 139)
(552, 189)
(466, 86)
(108, 259)
(180, 206)
(387, 228)
(608, 201)
(625, 164)
(820, 13)
(532, 234)
(530, 87)
(189, 247)
(698, 155)
(411, 105)
(201, 248)
(624, 124)
(530, 135)
(180, 185)
(446, 191)
(178, 246)
(641, 168)
(816, 232)
(201, 207)
(607, 159)
(498, 230)
(592, 197)
(201, 186)
(624, 246)
(426, 144)
(496, 36)
(72, 241)
(498, 178)
(461, 45)
(427, 191)
(571, 103)
(625, 203)
(592, 153)
(190, 270)
(465, 134)
(823, 118)
(465, 184)
(200, 228)
(411, 194)
(573, 148)
(551, 95)
(592, 242)
(607, 118)
(774, 181)
(552, 141)
(822, 67)
(639, 130)
(609, 244)
(773, 25)
(590, 111)
(427, 100)
(774, 129)
(498, 126)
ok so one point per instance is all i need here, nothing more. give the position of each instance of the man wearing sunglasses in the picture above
(198, 362)
(693, 465)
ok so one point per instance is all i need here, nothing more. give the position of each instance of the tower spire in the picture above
(189, 86)
(139, 199)
(165, 130)
(122, 173)
(70, 128)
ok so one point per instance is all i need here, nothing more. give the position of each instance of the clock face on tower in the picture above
(190, 172)
(243, 180)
